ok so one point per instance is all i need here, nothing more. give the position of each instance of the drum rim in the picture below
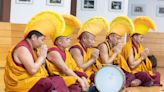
(118, 68)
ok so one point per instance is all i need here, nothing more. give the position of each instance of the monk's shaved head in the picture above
(87, 38)
(85, 35)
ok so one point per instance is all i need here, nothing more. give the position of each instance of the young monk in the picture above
(136, 55)
(25, 70)
(83, 52)
(60, 61)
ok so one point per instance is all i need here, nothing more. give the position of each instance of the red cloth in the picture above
(49, 84)
(81, 74)
(92, 78)
(62, 52)
(75, 88)
(23, 43)
(78, 47)
(129, 78)
(147, 79)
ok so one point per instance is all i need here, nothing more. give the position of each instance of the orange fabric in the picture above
(17, 79)
(142, 67)
(119, 59)
(86, 56)
(54, 70)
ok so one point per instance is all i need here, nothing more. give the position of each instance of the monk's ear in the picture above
(110, 37)
(33, 37)
(135, 36)
(59, 41)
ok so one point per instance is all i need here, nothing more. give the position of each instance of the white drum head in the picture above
(109, 79)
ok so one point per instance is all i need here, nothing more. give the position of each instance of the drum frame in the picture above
(118, 68)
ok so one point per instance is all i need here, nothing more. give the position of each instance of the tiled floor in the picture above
(131, 89)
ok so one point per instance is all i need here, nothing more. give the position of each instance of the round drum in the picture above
(109, 79)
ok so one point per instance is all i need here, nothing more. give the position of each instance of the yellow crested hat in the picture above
(142, 25)
(121, 25)
(94, 25)
(46, 22)
(72, 23)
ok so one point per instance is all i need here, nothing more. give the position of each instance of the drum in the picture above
(109, 79)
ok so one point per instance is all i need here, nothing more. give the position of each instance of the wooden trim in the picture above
(73, 7)
(6, 10)
(1, 7)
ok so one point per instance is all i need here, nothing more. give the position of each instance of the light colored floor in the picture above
(131, 89)
(149, 89)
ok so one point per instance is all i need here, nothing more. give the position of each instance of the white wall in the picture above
(150, 7)
(102, 9)
(21, 13)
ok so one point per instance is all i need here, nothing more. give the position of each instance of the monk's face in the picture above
(65, 41)
(115, 39)
(139, 38)
(89, 40)
(37, 42)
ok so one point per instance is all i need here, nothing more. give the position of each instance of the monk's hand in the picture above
(86, 82)
(146, 50)
(117, 49)
(43, 51)
(82, 83)
(95, 54)
(143, 55)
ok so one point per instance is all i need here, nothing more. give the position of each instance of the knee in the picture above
(157, 74)
(143, 74)
(46, 82)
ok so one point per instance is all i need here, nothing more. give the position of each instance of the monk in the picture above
(83, 52)
(136, 55)
(60, 61)
(110, 49)
(25, 68)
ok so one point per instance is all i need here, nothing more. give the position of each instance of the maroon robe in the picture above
(44, 84)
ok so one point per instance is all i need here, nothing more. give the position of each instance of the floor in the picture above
(131, 89)
(148, 89)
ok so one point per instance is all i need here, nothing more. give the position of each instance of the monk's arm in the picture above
(56, 59)
(104, 55)
(77, 56)
(131, 61)
(23, 56)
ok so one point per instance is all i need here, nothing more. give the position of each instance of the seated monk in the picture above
(25, 68)
(111, 48)
(136, 55)
(83, 52)
(60, 61)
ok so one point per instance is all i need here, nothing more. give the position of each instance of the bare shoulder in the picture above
(22, 55)
(75, 51)
(21, 51)
(102, 46)
(54, 55)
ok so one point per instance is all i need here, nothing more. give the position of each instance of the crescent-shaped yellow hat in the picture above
(72, 24)
(142, 25)
(121, 25)
(94, 25)
(46, 22)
